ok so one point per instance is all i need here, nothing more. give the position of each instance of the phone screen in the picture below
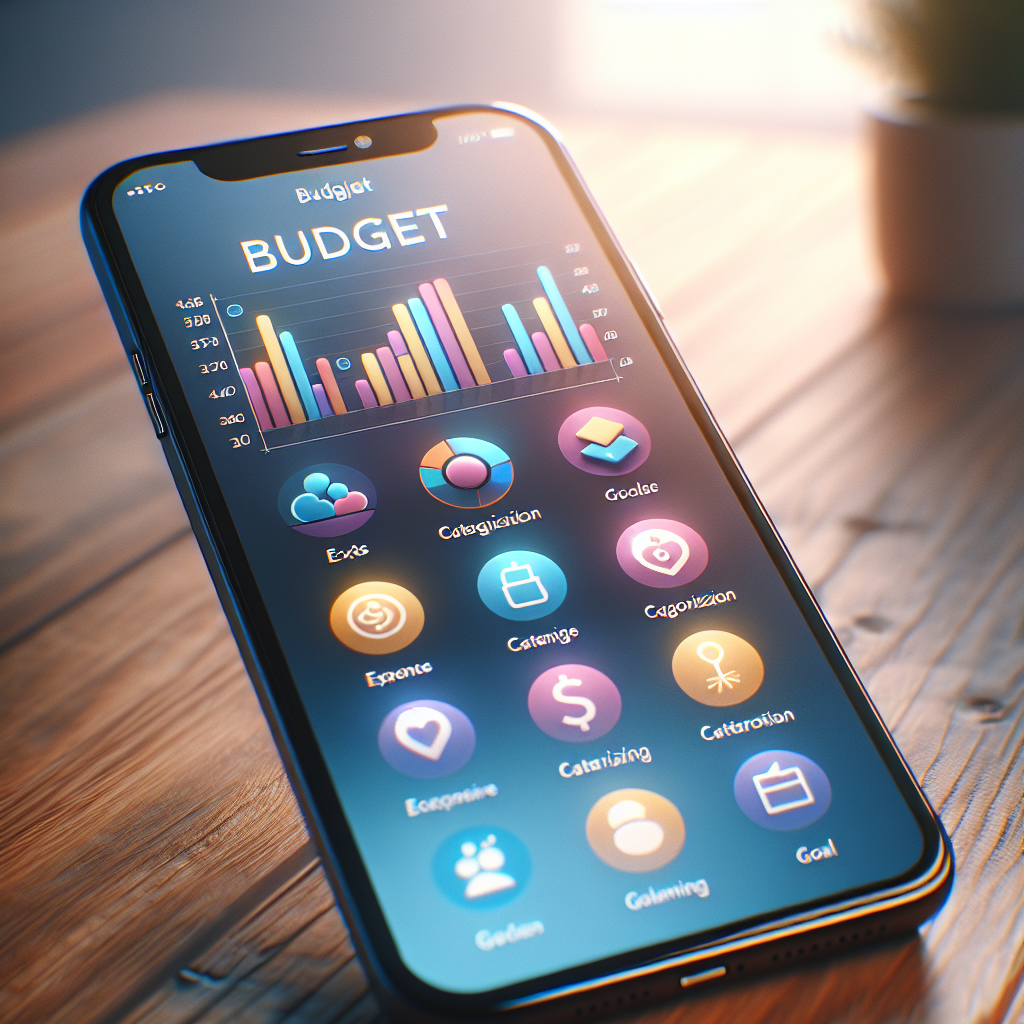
(568, 703)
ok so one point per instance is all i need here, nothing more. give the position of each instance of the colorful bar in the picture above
(265, 375)
(451, 346)
(366, 395)
(529, 353)
(568, 325)
(280, 365)
(433, 344)
(323, 367)
(545, 351)
(321, 400)
(593, 343)
(376, 379)
(291, 353)
(393, 374)
(469, 349)
(406, 365)
(554, 332)
(515, 363)
(416, 349)
(259, 406)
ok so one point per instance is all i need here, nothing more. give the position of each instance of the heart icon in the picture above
(418, 719)
(660, 550)
(354, 501)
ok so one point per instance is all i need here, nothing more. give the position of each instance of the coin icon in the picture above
(376, 618)
(717, 668)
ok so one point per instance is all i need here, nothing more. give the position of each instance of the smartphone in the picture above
(568, 728)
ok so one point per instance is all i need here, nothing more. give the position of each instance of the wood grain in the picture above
(155, 868)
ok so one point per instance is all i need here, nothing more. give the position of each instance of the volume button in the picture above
(139, 365)
(155, 415)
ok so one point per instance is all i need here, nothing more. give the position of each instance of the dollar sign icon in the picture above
(593, 697)
(589, 707)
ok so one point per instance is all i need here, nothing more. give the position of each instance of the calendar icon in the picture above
(783, 789)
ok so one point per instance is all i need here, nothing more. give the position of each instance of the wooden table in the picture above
(153, 863)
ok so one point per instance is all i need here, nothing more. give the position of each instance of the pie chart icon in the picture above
(466, 472)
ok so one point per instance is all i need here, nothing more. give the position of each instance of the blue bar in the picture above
(433, 344)
(529, 353)
(291, 353)
(566, 322)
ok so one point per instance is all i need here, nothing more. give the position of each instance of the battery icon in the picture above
(502, 133)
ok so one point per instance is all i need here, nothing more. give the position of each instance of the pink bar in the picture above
(394, 375)
(593, 343)
(515, 362)
(366, 395)
(321, 400)
(444, 331)
(397, 343)
(265, 375)
(545, 351)
(259, 407)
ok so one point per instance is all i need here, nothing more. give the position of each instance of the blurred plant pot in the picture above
(949, 202)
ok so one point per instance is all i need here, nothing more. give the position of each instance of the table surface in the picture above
(155, 865)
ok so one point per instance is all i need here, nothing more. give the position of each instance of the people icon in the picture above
(480, 868)
(632, 831)
(635, 830)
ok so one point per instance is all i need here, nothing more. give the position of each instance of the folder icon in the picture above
(783, 789)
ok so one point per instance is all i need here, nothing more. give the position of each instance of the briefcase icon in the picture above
(521, 586)
(783, 789)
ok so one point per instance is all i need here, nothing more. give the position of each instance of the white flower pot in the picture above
(949, 200)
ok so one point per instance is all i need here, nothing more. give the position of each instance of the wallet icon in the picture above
(521, 586)
(782, 789)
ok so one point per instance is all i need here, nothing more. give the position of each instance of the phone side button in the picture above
(708, 975)
(155, 415)
(139, 365)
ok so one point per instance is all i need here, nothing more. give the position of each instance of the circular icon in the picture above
(635, 830)
(426, 739)
(780, 790)
(574, 703)
(482, 867)
(234, 310)
(376, 618)
(326, 500)
(521, 585)
(717, 668)
(603, 441)
(661, 553)
(466, 472)
(343, 363)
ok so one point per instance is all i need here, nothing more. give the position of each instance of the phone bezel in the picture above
(924, 885)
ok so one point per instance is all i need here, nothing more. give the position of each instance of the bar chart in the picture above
(413, 356)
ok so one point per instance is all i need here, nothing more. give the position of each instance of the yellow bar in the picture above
(558, 342)
(375, 375)
(451, 307)
(416, 349)
(281, 371)
(412, 378)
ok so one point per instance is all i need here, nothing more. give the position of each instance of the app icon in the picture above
(780, 790)
(661, 553)
(426, 739)
(376, 618)
(635, 830)
(482, 867)
(574, 703)
(521, 585)
(326, 500)
(603, 441)
(717, 668)
(466, 472)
